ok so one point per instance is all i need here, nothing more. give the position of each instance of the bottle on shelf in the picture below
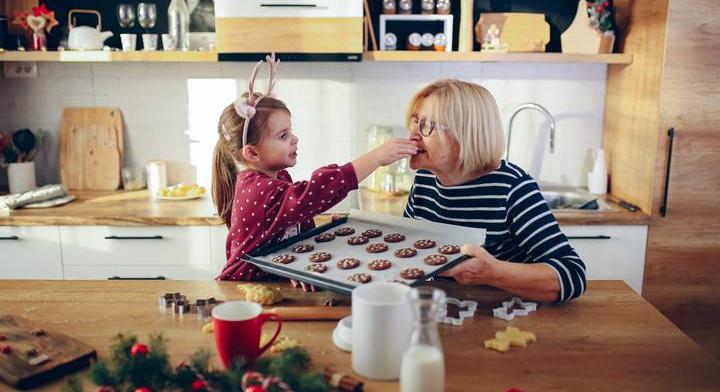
(179, 24)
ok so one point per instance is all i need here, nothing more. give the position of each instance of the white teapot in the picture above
(86, 37)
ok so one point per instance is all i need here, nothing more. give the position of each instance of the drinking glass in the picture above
(147, 15)
(126, 15)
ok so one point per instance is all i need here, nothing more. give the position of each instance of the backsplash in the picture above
(171, 110)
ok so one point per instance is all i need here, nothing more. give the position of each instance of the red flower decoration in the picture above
(138, 349)
(40, 11)
(199, 385)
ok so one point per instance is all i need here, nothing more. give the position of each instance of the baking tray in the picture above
(335, 279)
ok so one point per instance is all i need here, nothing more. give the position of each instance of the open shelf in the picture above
(428, 56)
(107, 56)
(390, 56)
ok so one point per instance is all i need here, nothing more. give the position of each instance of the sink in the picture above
(574, 199)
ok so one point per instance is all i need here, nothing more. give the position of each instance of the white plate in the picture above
(178, 198)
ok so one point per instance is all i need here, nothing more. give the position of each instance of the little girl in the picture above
(259, 202)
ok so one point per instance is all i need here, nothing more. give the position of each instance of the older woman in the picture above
(462, 180)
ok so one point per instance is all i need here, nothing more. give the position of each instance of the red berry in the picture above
(138, 349)
(255, 388)
(199, 385)
(143, 389)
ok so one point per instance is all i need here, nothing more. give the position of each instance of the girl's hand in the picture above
(475, 271)
(394, 150)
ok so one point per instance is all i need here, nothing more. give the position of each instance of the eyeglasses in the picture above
(425, 126)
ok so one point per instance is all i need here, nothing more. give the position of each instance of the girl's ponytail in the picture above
(224, 175)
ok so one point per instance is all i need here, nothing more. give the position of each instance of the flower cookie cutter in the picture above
(508, 310)
(465, 309)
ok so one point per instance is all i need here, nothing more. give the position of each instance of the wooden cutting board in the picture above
(65, 354)
(91, 148)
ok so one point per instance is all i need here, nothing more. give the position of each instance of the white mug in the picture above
(382, 323)
(169, 42)
(150, 41)
(129, 42)
(21, 177)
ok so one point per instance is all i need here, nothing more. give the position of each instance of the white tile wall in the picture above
(171, 110)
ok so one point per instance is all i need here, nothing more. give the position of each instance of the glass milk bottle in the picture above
(423, 364)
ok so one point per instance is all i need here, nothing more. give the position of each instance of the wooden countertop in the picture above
(117, 208)
(136, 208)
(609, 339)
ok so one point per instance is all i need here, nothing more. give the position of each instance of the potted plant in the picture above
(17, 152)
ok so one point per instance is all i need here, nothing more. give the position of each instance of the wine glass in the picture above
(147, 15)
(126, 15)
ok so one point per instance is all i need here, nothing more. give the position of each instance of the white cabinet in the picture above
(102, 252)
(611, 252)
(30, 252)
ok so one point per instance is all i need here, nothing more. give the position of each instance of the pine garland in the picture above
(602, 15)
(136, 367)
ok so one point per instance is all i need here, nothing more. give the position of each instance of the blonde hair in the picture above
(228, 149)
(471, 114)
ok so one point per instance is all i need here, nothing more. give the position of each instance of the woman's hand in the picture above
(480, 269)
(305, 287)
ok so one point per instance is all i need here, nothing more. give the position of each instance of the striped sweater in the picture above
(508, 204)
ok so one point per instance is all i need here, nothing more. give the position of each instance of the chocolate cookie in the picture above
(358, 240)
(360, 278)
(320, 257)
(379, 265)
(372, 233)
(284, 258)
(394, 237)
(343, 231)
(435, 260)
(412, 273)
(449, 249)
(349, 263)
(405, 252)
(424, 244)
(376, 248)
(325, 237)
(319, 268)
(302, 248)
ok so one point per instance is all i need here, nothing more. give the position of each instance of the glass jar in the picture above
(133, 178)
(423, 364)
(377, 135)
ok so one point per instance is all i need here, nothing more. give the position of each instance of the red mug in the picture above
(238, 326)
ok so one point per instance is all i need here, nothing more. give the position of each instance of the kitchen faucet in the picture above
(542, 110)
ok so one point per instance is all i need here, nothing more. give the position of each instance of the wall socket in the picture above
(14, 70)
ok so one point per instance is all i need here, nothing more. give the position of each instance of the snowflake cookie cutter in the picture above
(508, 310)
(466, 309)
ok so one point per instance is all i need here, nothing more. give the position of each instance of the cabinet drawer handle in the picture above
(589, 237)
(118, 237)
(137, 278)
(10, 238)
(664, 205)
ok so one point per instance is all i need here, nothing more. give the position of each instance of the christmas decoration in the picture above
(602, 15)
(135, 366)
(40, 20)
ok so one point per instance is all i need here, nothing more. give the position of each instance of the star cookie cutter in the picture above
(508, 310)
(465, 309)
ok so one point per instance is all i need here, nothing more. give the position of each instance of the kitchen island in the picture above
(609, 339)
